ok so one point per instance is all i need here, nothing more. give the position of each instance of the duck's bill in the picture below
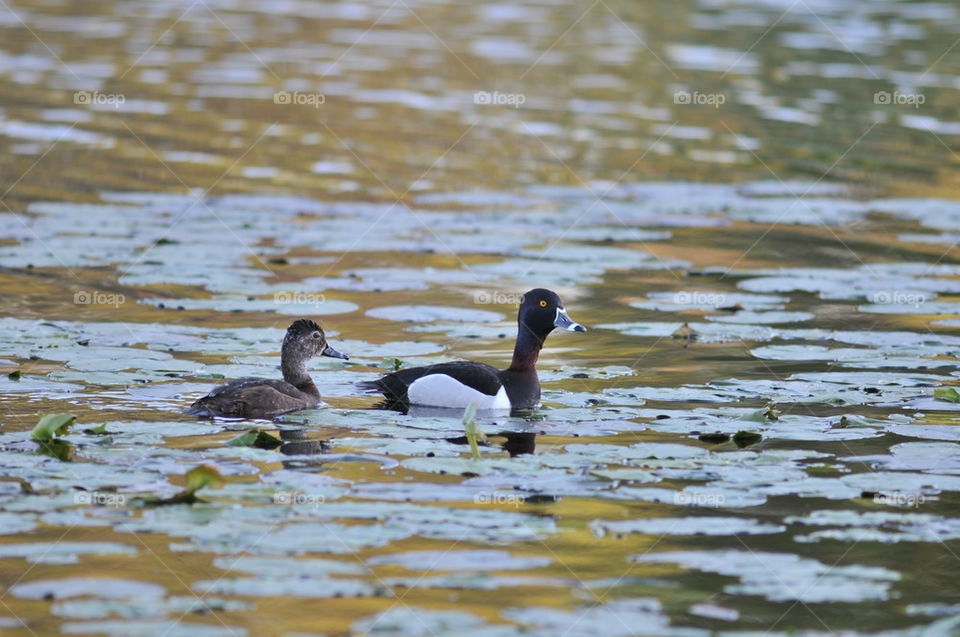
(332, 353)
(564, 321)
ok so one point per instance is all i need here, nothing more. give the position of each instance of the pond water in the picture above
(750, 203)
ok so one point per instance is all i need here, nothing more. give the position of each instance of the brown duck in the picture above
(268, 398)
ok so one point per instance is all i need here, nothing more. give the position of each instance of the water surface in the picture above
(750, 204)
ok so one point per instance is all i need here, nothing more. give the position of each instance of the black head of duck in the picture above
(541, 312)
(267, 398)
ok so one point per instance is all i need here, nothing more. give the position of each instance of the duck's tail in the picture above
(372, 386)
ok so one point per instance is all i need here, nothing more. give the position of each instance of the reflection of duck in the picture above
(517, 443)
(457, 384)
(264, 397)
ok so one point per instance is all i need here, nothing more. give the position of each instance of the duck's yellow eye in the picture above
(543, 304)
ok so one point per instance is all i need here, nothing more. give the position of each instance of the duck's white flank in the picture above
(440, 390)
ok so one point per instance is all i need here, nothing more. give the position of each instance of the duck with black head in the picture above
(268, 398)
(457, 384)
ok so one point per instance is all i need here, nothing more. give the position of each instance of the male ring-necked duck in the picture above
(267, 398)
(460, 383)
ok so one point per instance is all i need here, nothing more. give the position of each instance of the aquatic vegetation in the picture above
(51, 426)
(785, 577)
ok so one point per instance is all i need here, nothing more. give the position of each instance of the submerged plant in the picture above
(255, 438)
(950, 394)
(198, 478)
(746, 438)
(473, 431)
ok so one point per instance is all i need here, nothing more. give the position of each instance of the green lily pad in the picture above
(255, 438)
(52, 426)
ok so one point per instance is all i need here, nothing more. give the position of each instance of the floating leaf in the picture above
(746, 438)
(690, 525)
(685, 332)
(203, 476)
(14, 375)
(714, 438)
(99, 430)
(102, 587)
(424, 313)
(255, 438)
(785, 577)
(949, 394)
(51, 426)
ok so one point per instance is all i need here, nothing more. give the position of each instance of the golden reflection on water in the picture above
(425, 96)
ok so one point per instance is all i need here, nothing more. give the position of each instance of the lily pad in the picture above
(426, 313)
(461, 560)
(685, 526)
(785, 577)
(63, 552)
(102, 587)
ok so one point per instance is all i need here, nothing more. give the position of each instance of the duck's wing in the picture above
(242, 384)
(479, 376)
(251, 398)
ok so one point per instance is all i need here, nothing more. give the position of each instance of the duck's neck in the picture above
(294, 368)
(526, 351)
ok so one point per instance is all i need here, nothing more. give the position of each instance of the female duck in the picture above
(460, 383)
(267, 398)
